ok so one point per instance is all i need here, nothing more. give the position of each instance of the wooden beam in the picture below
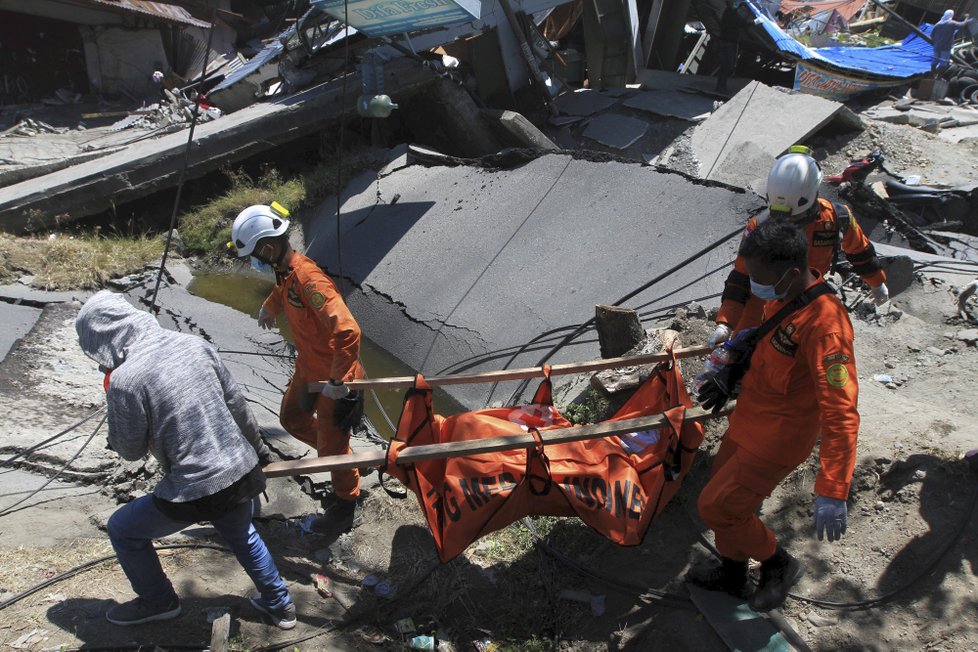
(405, 382)
(373, 459)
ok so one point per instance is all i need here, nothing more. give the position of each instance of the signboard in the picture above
(835, 85)
(387, 17)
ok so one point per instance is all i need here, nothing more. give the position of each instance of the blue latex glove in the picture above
(830, 517)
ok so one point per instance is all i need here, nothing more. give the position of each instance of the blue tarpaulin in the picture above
(909, 59)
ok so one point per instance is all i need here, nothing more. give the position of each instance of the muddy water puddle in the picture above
(246, 292)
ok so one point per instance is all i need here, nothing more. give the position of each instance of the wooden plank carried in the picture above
(372, 459)
(406, 382)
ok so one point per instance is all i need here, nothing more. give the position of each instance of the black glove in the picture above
(265, 457)
(715, 393)
(348, 411)
(307, 401)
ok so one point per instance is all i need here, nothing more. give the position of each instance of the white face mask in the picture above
(768, 292)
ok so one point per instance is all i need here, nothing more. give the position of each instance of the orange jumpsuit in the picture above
(327, 341)
(740, 309)
(801, 382)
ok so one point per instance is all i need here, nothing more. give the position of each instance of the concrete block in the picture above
(524, 131)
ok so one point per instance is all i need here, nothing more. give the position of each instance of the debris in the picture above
(619, 330)
(489, 645)
(322, 584)
(968, 335)
(883, 378)
(423, 642)
(404, 626)
(370, 581)
(372, 635)
(597, 602)
(385, 590)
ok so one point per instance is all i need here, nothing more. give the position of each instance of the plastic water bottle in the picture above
(719, 358)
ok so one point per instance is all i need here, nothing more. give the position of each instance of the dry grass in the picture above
(74, 262)
(22, 567)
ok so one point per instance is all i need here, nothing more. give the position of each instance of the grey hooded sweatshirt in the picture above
(170, 395)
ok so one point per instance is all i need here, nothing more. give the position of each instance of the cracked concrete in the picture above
(470, 261)
(48, 384)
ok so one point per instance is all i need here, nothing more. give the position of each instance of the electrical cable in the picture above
(186, 160)
(869, 603)
(39, 445)
(588, 324)
(92, 564)
(7, 510)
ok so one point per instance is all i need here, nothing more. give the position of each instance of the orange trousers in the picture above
(739, 483)
(316, 429)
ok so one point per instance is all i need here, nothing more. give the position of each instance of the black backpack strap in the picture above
(843, 220)
(843, 216)
(799, 302)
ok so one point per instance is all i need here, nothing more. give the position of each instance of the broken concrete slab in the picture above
(615, 130)
(583, 102)
(472, 263)
(673, 104)
(738, 143)
(17, 321)
(145, 167)
(652, 79)
(47, 383)
(521, 129)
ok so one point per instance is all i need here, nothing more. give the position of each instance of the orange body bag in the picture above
(616, 484)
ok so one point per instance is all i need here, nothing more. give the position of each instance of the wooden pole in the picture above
(405, 382)
(373, 459)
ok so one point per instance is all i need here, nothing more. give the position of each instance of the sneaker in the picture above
(722, 574)
(138, 611)
(283, 617)
(341, 516)
(778, 575)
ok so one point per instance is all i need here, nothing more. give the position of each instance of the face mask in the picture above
(261, 266)
(768, 292)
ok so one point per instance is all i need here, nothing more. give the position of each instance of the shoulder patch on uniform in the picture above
(316, 299)
(835, 357)
(837, 375)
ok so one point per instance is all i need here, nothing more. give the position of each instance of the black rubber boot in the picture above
(778, 574)
(341, 516)
(727, 575)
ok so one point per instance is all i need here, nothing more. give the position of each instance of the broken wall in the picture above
(121, 61)
(37, 57)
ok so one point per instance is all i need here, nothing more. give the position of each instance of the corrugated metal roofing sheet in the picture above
(158, 10)
(908, 59)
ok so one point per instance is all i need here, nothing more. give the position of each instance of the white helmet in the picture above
(254, 223)
(792, 186)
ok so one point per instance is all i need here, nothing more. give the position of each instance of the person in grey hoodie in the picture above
(170, 395)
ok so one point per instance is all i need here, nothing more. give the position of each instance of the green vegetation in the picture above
(75, 262)
(590, 407)
(207, 228)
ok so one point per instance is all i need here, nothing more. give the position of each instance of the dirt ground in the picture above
(903, 577)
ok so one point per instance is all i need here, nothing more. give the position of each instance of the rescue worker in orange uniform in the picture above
(801, 383)
(792, 193)
(327, 341)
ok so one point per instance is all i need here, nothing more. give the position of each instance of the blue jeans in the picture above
(133, 527)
